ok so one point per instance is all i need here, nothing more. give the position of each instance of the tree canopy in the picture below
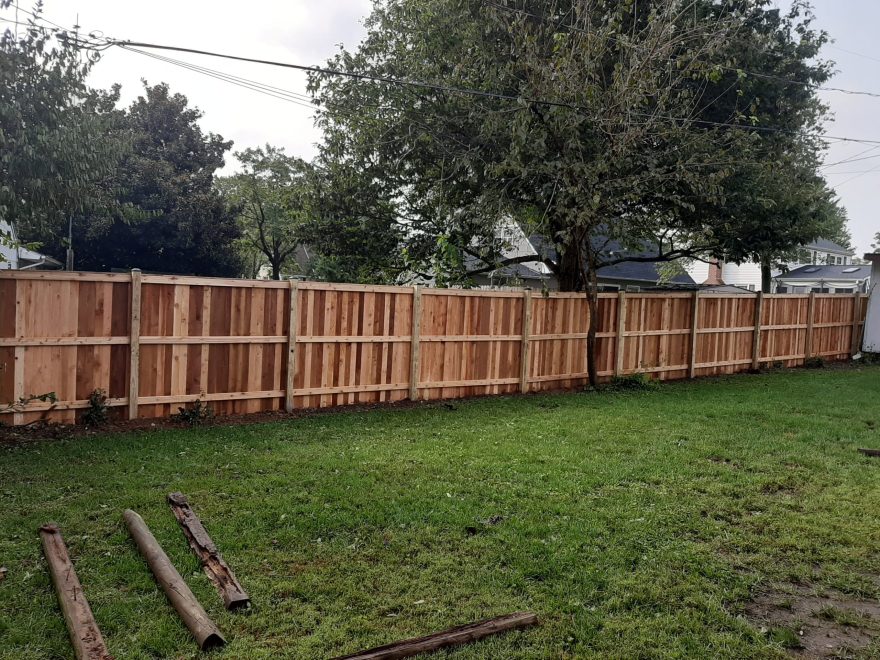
(57, 139)
(177, 221)
(687, 126)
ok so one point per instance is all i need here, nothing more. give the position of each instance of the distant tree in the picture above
(354, 234)
(56, 137)
(272, 197)
(182, 223)
(876, 245)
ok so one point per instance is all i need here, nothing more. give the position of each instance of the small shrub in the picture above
(870, 358)
(96, 413)
(195, 415)
(631, 383)
(814, 363)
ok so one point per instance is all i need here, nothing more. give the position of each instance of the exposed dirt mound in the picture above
(814, 623)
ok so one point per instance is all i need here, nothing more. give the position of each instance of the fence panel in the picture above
(248, 346)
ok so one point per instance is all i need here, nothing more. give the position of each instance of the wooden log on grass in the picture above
(84, 634)
(190, 610)
(451, 637)
(871, 452)
(218, 572)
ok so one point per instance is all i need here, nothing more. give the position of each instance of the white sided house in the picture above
(14, 256)
(821, 252)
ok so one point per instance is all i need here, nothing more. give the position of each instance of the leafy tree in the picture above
(56, 137)
(876, 245)
(181, 223)
(272, 197)
(623, 123)
(354, 234)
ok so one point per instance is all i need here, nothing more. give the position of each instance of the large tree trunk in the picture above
(593, 307)
(766, 276)
(577, 272)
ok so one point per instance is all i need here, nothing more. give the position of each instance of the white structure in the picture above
(15, 257)
(871, 339)
(748, 275)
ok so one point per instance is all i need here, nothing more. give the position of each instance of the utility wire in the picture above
(468, 91)
(453, 89)
(766, 76)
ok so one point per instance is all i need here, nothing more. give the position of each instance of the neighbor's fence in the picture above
(154, 343)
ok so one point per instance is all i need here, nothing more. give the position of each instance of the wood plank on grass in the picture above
(84, 633)
(451, 637)
(234, 596)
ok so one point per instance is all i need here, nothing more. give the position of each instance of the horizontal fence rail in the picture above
(154, 343)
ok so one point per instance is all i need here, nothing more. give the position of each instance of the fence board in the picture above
(244, 346)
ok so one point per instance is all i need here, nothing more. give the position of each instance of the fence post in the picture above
(19, 353)
(415, 346)
(811, 306)
(134, 344)
(524, 346)
(857, 313)
(695, 317)
(756, 339)
(291, 345)
(621, 328)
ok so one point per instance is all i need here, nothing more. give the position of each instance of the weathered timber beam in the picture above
(870, 452)
(191, 612)
(215, 568)
(84, 634)
(451, 637)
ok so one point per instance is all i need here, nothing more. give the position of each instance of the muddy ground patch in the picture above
(813, 622)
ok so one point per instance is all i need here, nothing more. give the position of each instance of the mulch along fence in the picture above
(154, 343)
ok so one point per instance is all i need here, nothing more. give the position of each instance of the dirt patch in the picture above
(815, 623)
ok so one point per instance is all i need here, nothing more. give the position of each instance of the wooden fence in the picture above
(154, 343)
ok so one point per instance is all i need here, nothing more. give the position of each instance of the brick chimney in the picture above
(714, 278)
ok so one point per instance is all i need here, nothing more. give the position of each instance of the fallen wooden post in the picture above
(452, 637)
(84, 634)
(870, 452)
(193, 614)
(215, 568)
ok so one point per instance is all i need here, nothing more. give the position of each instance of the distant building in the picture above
(748, 275)
(824, 279)
(15, 257)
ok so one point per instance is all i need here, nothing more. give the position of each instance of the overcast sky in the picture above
(309, 31)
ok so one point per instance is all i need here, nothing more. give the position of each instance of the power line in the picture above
(468, 91)
(766, 76)
(852, 52)
(853, 158)
(269, 90)
(857, 176)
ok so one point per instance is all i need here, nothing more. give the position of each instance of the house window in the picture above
(782, 289)
(844, 290)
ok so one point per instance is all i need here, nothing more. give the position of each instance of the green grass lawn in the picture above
(636, 524)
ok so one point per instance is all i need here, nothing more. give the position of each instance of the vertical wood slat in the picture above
(524, 344)
(811, 307)
(695, 317)
(857, 314)
(291, 345)
(134, 345)
(621, 328)
(415, 352)
(756, 338)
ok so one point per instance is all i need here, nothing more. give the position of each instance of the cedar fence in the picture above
(154, 343)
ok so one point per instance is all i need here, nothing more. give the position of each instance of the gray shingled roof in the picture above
(635, 271)
(823, 272)
(830, 246)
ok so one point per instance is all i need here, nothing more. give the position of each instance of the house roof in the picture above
(826, 272)
(635, 271)
(828, 246)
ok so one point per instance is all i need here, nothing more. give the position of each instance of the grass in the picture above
(635, 523)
